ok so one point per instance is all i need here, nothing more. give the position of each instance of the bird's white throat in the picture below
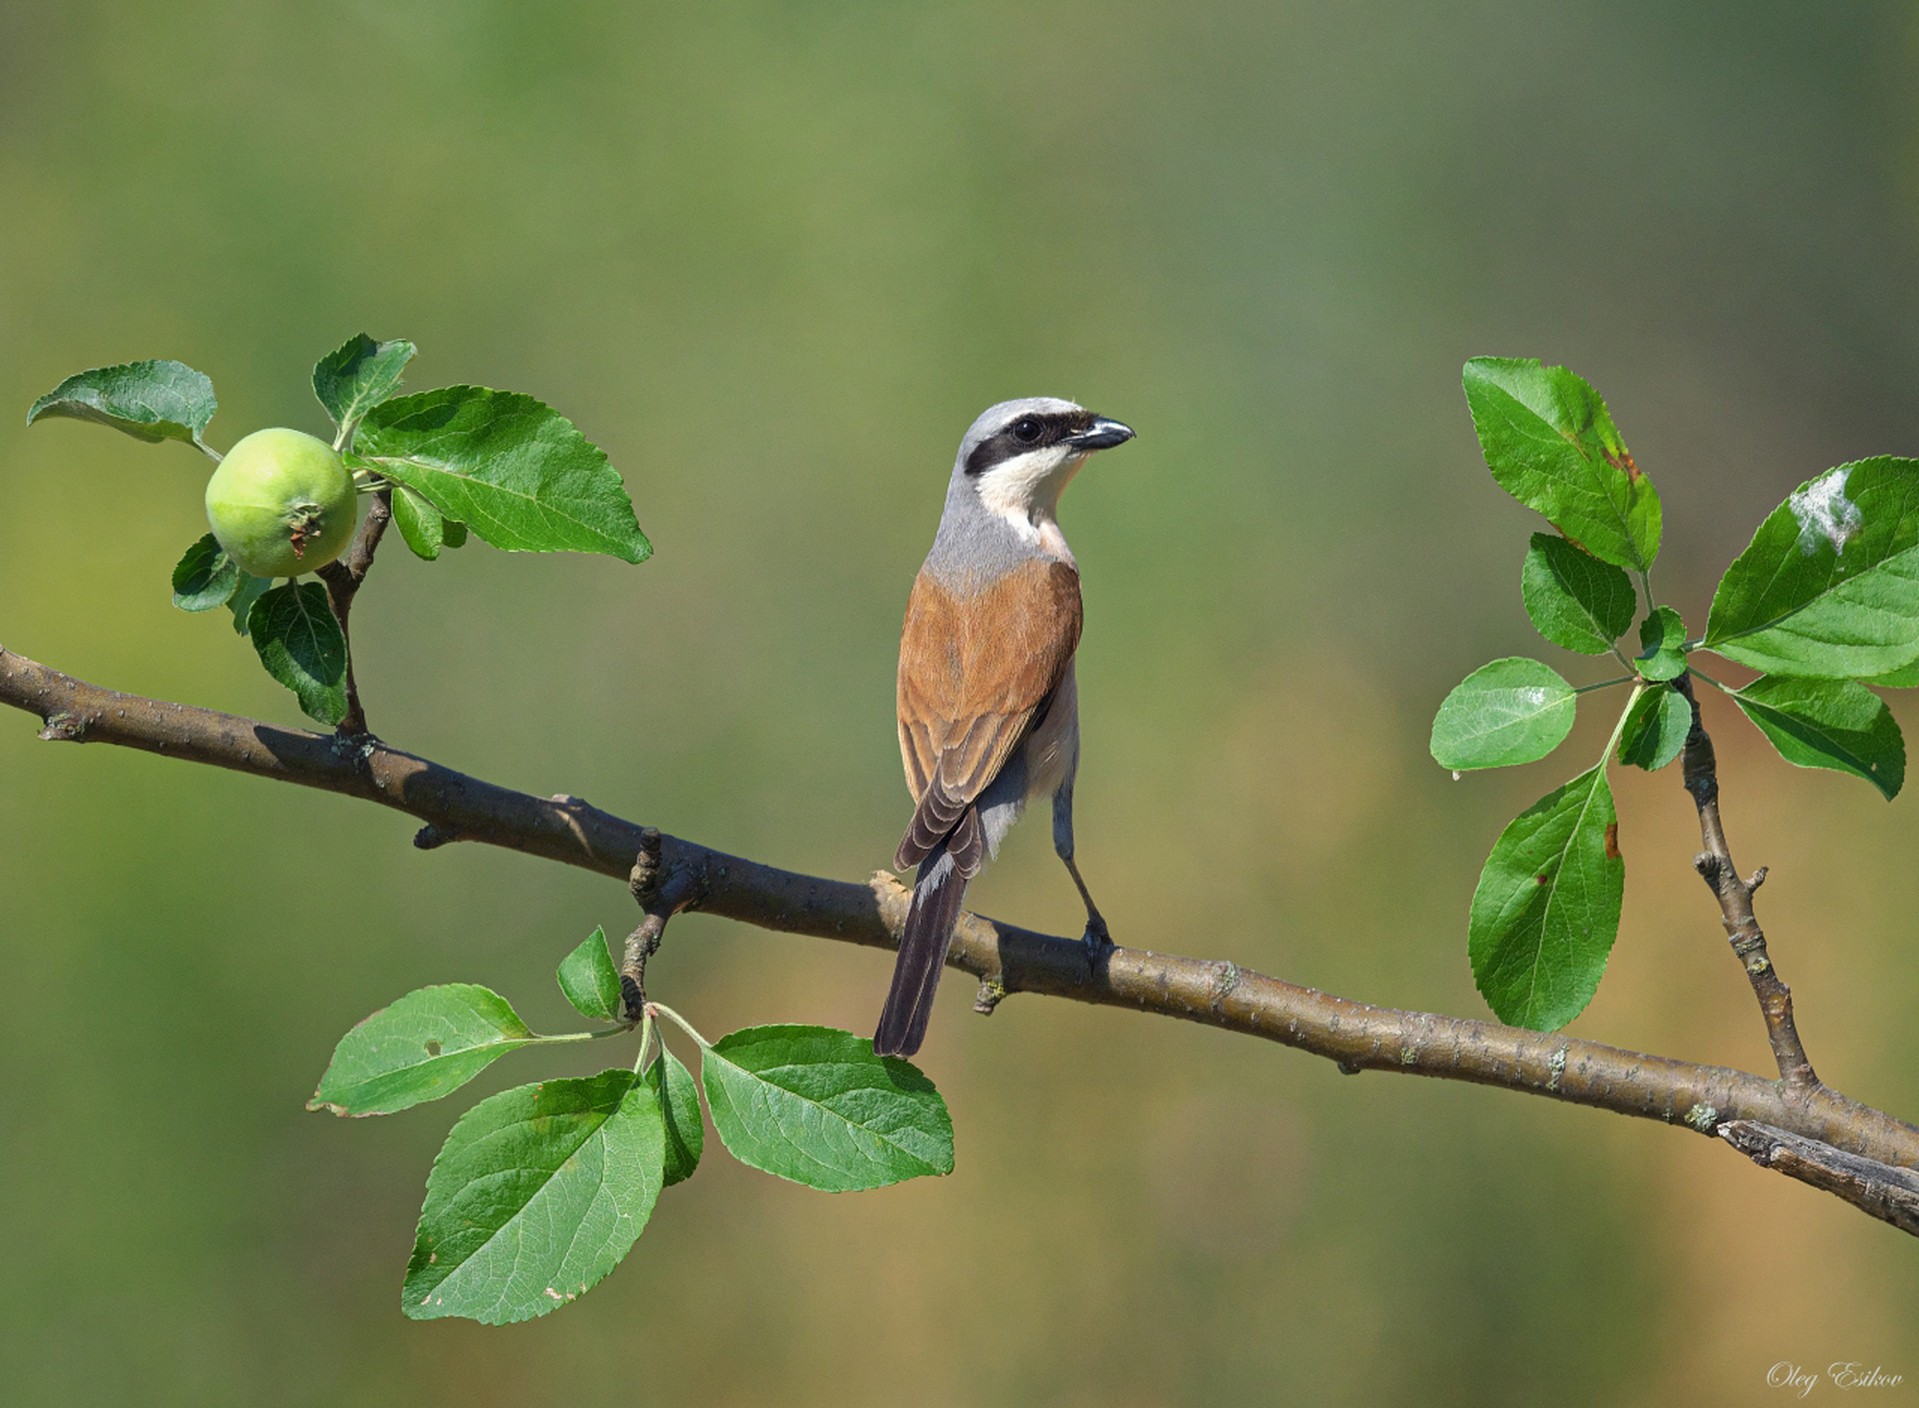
(1024, 492)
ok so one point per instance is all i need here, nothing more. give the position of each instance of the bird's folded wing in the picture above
(974, 671)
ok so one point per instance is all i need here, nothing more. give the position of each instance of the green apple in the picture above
(281, 503)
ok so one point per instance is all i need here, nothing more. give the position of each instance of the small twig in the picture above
(1888, 1193)
(991, 992)
(358, 558)
(432, 836)
(343, 579)
(1715, 867)
(661, 891)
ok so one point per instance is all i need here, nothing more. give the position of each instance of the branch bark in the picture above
(1355, 1035)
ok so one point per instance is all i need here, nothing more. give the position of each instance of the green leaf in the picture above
(537, 1193)
(1836, 724)
(455, 533)
(589, 979)
(421, 525)
(428, 1044)
(1829, 587)
(819, 1107)
(151, 401)
(514, 470)
(1573, 599)
(1905, 677)
(1655, 729)
(1511, 711)
(680, 1100)
(1546, 911)
(205, 577)
(1551, 444)
(249, 590)
(1662, 646)
(300, 644)
(359, 375)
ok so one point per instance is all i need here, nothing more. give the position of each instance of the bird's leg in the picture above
(1097, 938)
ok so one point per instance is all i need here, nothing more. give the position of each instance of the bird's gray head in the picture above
(1019, 455)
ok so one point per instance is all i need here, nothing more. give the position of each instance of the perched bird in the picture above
(988, 708)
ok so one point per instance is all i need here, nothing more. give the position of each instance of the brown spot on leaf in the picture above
(1542, 879)
(1623, 460)
(433, 1048)
(1612, 841)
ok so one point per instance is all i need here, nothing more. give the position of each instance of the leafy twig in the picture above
(1734, 892)
(661, 891)
(343, 579)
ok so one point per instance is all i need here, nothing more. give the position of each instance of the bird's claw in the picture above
(1097, 940)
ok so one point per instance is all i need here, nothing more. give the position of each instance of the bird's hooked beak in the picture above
(1102, 434)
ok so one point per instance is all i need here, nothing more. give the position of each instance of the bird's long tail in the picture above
(938, 890)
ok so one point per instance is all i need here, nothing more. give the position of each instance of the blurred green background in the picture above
(774, 258)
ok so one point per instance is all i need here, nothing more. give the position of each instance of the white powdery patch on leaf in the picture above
(1824, 512)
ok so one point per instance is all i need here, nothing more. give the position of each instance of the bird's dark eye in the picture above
(1027, 430)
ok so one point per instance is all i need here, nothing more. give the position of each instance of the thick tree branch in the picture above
(1700, 771)
(1355, 1035)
